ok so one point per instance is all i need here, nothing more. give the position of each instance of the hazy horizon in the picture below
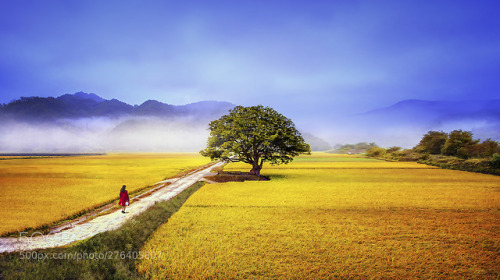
(401, 124)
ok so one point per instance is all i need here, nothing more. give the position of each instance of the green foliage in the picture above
(393, 149)
(254, 135)
(376, 152)
(485, 149)
(485, 166)
(458, 143)
(459, 151)
(406, 155)
(495, 162)
(432, 142)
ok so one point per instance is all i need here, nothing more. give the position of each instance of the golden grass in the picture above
(328, 219)
(39, 191)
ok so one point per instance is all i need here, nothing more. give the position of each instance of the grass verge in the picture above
(109, 255)
(478, 165)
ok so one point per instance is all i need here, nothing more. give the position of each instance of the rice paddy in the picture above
(38, 191)
(330, 216)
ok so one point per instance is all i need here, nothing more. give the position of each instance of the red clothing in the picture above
(123, 198)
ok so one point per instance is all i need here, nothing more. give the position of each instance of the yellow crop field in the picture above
(329, 216)
(38, 191)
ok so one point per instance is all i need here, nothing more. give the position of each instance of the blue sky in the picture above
(315, 58)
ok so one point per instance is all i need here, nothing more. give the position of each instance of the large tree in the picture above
(254, 135)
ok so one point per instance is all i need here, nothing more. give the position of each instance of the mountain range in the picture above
(85, 122)
(90, 105)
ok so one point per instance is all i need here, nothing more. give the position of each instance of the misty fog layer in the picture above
(150, 134)
(184, 128)
(403, 135)
(96, 135)
(404, 123)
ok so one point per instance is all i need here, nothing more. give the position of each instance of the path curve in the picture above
(111, 221)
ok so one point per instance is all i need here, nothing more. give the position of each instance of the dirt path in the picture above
(79, 231)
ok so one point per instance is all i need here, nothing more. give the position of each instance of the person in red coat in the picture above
(124, 201)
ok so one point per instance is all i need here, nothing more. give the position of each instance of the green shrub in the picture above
(463, 152)
(376, 152)
(393, 149)
(495, 161)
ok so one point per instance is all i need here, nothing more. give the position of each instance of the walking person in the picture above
(124, 200)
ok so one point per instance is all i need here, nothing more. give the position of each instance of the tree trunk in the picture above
(255, 170)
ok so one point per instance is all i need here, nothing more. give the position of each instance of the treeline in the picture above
(455, 150)
(357, 148)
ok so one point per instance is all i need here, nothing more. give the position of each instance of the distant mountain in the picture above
(316, 143)
(87, 123)
(404, 123)
(437, 112)
(82, 96)
(86, 105)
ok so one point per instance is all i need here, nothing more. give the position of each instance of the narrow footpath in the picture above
(83, 230)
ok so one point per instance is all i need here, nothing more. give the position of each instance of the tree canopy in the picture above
(432, 142)
(457, 143)
(254, 135)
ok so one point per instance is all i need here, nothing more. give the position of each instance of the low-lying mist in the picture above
(400, 132)
(189, 133)
(100, 135)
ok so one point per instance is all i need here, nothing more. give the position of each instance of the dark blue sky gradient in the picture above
(304, 58)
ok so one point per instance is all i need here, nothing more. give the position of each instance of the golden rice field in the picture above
(39, 191)
(329, 216)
